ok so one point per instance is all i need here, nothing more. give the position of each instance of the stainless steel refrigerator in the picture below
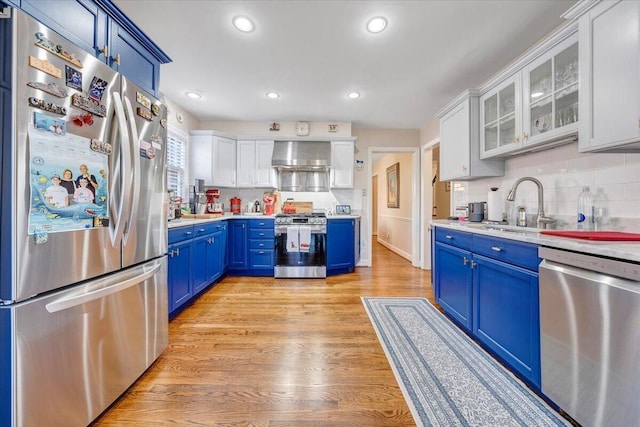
(83, 291)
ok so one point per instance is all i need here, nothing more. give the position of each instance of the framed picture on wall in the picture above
(393, 186)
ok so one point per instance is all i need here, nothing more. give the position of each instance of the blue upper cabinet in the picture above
(100, 28)
(80, 21)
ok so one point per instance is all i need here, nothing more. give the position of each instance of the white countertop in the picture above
(183, 222)
(628, 251)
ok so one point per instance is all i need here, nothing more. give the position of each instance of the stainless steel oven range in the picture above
(301, 245)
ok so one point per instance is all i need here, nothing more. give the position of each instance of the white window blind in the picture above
(176, 162)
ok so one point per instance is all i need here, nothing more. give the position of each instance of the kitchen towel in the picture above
(305, 238)
(292, 239)
(494, 208)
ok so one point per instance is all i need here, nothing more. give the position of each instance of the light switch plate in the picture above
(5, 12)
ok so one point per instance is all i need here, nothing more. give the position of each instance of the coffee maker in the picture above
(213, 201)
(199, 198)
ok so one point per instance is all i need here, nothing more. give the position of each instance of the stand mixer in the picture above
(213, 202)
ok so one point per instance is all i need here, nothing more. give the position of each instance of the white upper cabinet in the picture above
(253, 166)
(342, 162)
(460, 141)
(224, 162)
(200, 156)
(610, 77)
(535, 104)
(212, 158)
(550, 94)
(501, 118)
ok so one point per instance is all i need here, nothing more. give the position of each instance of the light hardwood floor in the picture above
(277, 352)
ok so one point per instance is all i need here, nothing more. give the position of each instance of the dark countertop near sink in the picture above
(628, 251)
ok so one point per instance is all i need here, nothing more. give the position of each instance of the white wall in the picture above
(613, 178)
(287, 129)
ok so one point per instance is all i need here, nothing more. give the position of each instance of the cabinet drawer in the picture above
(261, 233)
(510, 251)
(179, 234)
(261, 244)
(460, 239)
(261, 223)
(202, 229)
(261, 258)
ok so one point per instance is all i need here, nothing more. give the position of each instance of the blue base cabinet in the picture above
(261, 247)
(343, 245)
(453, 283)
(179, 267)
(238, 240)
(196, 260)
(489, 286)
(251, 247)
(506, 317)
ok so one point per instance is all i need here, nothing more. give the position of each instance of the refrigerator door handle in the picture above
(135, 154)
(70, 302)
(126, 160)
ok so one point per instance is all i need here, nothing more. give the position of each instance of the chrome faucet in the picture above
(541, 219)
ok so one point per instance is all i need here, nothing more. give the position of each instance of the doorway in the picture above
(412, 183)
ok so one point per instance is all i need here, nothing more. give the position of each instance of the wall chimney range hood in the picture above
(301, 155)
(302, 165)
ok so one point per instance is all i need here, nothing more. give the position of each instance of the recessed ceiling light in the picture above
(244, 24)
(353, 95)
(376, 24)
(273, 95)
(194, 95)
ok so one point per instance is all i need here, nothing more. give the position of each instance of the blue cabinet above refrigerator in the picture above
(101, 29)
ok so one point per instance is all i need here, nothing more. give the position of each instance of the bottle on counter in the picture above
(585, 210)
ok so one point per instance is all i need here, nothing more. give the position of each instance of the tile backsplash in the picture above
(613, 178)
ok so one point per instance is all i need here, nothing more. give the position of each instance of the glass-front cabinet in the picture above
(501, 118)
(550, 93)
(534, 105)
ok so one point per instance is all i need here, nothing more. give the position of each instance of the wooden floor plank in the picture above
(277, 352)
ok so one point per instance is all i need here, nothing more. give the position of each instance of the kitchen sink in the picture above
(504, 228)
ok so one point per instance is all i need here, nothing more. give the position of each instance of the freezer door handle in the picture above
(125, 156)
(134, 151)
(65, 303)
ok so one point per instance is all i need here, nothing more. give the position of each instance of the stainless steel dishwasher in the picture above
(590, 336)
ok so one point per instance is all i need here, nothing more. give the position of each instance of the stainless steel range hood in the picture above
(301, 155)
(302, 165)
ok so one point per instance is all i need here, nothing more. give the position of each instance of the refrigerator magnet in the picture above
(73, 78)
(97, 88)
(47, 106)
(50, 88)
(88, 104)
(50, 124)
(144, 113)
(45, 66)
(143, 100)
(155, 109)
(56, 49)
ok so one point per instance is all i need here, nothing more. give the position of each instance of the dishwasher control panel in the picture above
(613, 267)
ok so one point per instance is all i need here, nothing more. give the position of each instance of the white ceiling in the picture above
(314, 52)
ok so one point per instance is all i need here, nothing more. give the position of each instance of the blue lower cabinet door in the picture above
(506, 314)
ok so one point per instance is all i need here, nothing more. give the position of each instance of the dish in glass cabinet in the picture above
(542, 124)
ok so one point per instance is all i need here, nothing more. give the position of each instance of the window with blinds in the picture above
(176, 163)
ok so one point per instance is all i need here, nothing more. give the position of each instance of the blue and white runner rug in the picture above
(446, 378)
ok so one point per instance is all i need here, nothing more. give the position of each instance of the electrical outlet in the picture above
(5, 12)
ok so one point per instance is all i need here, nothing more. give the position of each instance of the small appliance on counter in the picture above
(213, 202)
(343, 209)
(476, 211)
(236, 205)
(270, 199)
